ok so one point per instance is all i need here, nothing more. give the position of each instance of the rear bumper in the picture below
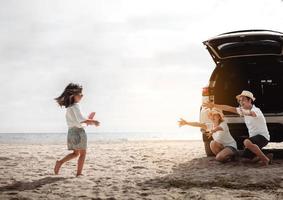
(269, 119)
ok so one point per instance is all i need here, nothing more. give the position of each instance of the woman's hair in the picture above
(66, 99)
(221, 119)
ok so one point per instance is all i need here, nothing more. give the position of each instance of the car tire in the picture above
(207, 149)
(206, 142)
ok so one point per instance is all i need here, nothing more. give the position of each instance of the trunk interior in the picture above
(264, 78)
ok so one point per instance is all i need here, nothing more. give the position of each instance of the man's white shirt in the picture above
(256, 125)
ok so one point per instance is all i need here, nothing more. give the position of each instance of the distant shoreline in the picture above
(102, 142)
(60, 138)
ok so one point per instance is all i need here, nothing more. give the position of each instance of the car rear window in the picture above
(249, 47)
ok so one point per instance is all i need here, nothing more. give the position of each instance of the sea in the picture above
(61, 137)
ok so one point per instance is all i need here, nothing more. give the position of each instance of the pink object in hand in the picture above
(91, 115)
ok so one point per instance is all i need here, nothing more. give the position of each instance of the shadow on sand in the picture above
(207, 173)
(20, 186)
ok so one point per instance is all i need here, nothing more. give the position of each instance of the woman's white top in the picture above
(74, 116)
(224, 137)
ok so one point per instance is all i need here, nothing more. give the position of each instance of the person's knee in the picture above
(76, 153)
(219, 157)
(213, 147)
(247, 143)
(212, 144)
(82, 153)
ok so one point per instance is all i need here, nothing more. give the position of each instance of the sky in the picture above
(142, 64)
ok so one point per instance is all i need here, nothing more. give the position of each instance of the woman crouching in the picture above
(223, 145)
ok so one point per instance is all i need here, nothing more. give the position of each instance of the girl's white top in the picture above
(224, 137)
(74, 116)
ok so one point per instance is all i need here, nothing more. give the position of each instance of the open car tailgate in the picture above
(245, 44)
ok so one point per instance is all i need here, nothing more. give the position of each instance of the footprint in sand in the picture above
(115, 188)
(11, 164)
(5, 158)
(49, 157)
(144, 194)
(24, 152)
(12, 193)
(139, 167)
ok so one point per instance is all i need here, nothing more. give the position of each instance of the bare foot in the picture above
(79, 175)
(246, 160)
(57, 167)
(255, 160)
(264, 163)
(269, 159)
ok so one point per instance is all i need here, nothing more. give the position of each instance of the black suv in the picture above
(247, 60)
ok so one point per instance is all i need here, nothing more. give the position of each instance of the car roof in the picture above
(247, 33)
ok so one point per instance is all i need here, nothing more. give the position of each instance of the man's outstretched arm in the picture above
(220, 107)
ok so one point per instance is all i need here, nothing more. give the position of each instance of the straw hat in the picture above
(215, 111)
(246, 93)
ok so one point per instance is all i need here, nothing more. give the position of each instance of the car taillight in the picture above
(205, 91)
(207, 94)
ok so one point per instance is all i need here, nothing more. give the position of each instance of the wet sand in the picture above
(134, 170)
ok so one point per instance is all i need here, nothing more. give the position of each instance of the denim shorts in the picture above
(77, 139)
(233, 149)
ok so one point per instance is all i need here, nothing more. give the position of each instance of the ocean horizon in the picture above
(61, 137)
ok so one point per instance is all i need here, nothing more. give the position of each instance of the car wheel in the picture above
(206, 142)
(207, 148)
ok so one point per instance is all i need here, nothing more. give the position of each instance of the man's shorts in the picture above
(260, 141)
(233, 149)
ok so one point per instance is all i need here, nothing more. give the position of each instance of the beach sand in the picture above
(134, 170)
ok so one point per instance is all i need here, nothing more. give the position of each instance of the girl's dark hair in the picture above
(66, 99)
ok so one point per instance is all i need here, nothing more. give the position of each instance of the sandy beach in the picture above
(134, 170)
